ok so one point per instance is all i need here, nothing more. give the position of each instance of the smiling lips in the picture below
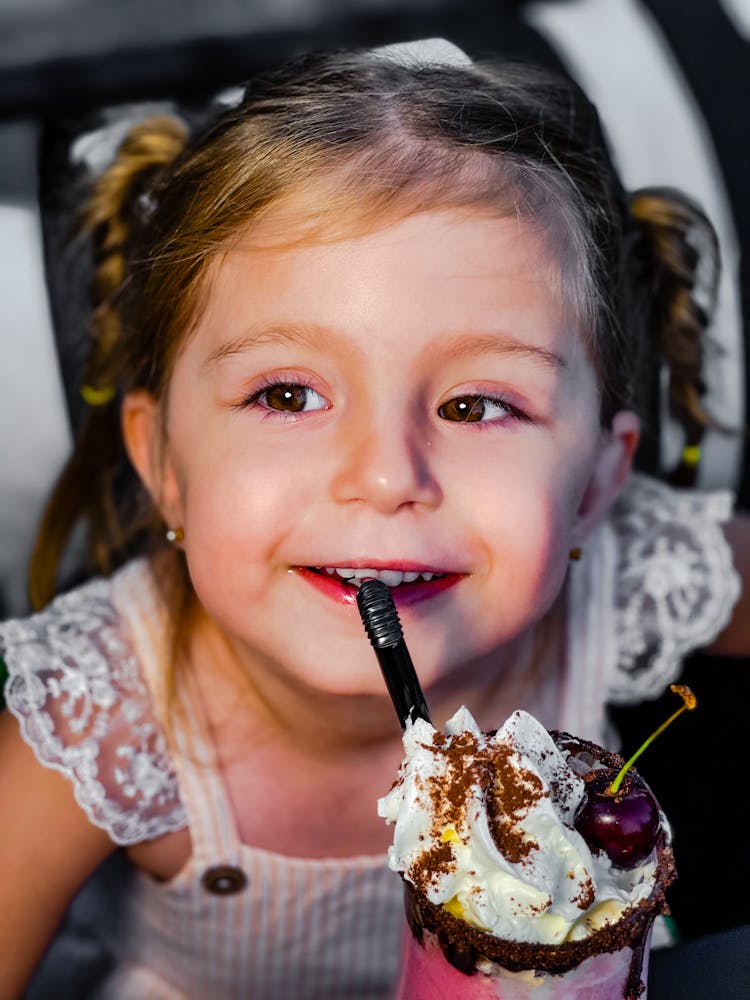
(408, 586)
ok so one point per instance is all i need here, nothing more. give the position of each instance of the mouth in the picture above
(407, 586)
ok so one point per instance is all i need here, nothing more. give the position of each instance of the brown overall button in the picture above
(224, 879)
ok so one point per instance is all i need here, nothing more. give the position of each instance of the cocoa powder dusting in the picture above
(437, 860)
(510, 791)
(586, 897)
(513, 793)
(449, 795)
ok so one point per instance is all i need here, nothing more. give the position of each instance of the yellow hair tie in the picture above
(97, 397)
(691, 455)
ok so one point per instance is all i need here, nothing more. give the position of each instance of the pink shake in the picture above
(426, 974)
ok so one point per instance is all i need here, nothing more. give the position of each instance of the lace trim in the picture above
(75, 687)
(675, 584)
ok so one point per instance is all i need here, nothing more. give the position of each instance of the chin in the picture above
(350, 686)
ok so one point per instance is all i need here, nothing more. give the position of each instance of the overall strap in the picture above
(213, 827)
(211, 819)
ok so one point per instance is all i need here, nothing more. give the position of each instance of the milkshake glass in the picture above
(514, 905)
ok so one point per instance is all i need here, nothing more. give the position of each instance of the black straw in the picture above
(383, 627)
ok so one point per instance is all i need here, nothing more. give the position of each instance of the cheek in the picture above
(539, 533)
(528, 523)
(244, 508)
(230, 486)
(229, 521)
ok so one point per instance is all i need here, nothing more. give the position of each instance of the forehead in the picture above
(360, 197)
(317, 217)
(440, 281)
(298, 232)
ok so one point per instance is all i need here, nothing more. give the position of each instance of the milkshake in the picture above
(510, 889)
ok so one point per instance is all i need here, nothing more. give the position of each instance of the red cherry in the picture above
(624, 824)
(619, 814)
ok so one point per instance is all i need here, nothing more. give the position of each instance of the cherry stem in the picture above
(689, 701)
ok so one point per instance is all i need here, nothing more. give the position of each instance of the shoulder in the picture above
(674, 582)
(76, 688)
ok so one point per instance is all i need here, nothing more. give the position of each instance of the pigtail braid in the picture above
(90, 486)
(683, 265)
(122, 199)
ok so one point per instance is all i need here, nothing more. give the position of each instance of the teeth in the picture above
(390, 577)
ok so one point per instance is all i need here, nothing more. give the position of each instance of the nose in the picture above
(387, 465)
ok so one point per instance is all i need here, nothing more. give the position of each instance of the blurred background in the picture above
(671, 78)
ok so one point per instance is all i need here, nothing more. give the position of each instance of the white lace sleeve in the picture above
(675, 584)
(75, 687)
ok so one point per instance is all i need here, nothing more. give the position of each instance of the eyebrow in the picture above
(308, 334)
(472, 345)
(453, 347)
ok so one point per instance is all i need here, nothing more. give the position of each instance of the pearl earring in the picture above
(174, 535)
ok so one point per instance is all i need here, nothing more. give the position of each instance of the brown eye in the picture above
(288, 397)
(468, 409)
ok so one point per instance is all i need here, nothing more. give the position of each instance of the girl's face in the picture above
(411, 401)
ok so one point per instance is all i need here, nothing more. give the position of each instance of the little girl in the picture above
(394, 316)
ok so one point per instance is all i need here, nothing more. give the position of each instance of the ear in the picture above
(612, 467)
(145, 442)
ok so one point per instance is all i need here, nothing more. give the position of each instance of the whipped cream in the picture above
(484, 827)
